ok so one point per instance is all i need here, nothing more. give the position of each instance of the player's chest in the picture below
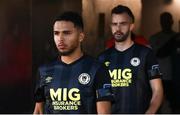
(124, 62)
(68, 81)
(124, 71)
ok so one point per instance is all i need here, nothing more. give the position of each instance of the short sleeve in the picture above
(39, 89)
(152, 66)
(103, 85)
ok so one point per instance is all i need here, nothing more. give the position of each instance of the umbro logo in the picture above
(48, 79)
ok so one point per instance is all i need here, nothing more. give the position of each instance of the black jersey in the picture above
(73, 88)
(131, 71)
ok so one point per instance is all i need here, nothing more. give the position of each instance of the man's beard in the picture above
(121, 37)
(66, 53)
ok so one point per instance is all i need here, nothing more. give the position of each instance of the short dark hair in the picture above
(73, 17)
(122, 9)
(166, 20)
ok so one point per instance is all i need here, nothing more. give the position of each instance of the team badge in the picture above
(135, 61)
(84, 78)
(48, 79)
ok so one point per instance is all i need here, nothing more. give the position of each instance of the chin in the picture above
(120, 40)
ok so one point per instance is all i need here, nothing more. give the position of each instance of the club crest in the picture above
(84, 78)
(135, 61)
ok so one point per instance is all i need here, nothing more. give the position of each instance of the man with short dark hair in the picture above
(157, 41)
(74, 83)
(133, 68)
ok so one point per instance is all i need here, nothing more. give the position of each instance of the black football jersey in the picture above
(131, 71)
(73, 88)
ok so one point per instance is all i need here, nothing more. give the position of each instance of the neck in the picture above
(72, 57)
(122, 46)
(167, 30)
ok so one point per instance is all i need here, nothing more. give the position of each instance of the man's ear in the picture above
(81, 36)
(132, 27)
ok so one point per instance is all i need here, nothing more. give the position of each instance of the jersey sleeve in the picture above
(103, 85)
(39, 89)
(152, 66)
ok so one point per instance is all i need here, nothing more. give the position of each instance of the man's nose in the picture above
(61, 37)
(119, 26)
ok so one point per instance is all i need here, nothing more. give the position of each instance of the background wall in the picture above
(15, 57)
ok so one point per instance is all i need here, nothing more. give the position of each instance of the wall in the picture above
(15, 56)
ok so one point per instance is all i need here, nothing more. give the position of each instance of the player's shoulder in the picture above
(154, 36)
(142, 48)
(48, 67)
(96, 64)
(92, 60)
(106, 52)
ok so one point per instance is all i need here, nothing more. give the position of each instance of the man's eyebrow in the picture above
(55, 31)
(119, 22)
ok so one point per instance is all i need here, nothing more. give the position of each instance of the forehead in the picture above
(121, 17)
(63, 25)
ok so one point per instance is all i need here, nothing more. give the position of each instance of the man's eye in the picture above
(56, 33)
(67, 32)
(124, 23)
(113, 24)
